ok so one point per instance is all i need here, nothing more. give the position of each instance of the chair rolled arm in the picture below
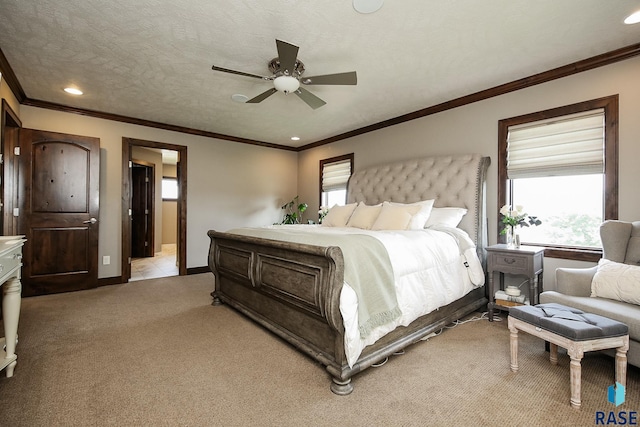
(575, 281)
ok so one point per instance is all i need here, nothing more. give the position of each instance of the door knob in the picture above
(90, 221)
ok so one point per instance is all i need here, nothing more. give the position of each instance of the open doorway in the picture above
(154, 227)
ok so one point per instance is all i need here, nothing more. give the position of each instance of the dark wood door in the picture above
(60, 201)
(142, 198)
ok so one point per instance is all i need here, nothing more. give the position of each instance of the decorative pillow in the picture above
(617, 281)
(364, 216)
(338, 215)
(395, 216)
(419, 219)
(449, 217)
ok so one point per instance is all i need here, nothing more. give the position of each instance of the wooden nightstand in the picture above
(524, 261)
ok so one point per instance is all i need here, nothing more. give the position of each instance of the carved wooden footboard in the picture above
(291, 289)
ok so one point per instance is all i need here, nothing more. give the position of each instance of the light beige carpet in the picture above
(156, 353)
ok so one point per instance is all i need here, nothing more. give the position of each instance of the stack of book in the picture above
(502, 296)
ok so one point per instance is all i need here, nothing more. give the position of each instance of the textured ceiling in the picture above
(151, 59)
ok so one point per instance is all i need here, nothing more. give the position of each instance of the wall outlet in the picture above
(106, 260)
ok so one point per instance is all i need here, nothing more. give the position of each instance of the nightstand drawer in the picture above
(509, 260)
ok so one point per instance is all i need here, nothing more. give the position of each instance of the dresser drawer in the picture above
(10, 260)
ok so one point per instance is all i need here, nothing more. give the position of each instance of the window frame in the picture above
(610, 106)
(323, 162)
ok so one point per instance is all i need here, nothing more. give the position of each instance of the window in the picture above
(561, 165)
(169, 188)
(334, 175)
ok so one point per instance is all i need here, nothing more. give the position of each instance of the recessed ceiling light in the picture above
(295, 138)
(73, 90)
(367, 6)
(238, 97)
(634, 18)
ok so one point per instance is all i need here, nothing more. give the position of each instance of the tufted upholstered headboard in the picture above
(456, 180)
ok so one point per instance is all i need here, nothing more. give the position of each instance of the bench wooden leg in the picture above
(513, 341)
(621, 363)
(553, 353)
(576, 383)
(576, 353)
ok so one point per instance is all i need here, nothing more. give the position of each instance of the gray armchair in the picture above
(620, 243)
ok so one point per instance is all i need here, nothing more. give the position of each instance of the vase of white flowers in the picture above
(513, 217)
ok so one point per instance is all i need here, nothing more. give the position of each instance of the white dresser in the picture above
(10, 265)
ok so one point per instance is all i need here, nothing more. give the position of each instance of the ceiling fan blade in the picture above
(311, 100)
(349, 78)
(226, 70)
(287, 54)
(264, 95)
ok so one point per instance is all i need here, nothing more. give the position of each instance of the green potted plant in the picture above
(293, 211)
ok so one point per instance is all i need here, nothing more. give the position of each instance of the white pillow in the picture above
(395, 216)
(620, 282)
(338, 215)
(449, 217)
(419, 219)
(364, 216)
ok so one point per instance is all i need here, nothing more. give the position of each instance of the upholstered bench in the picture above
(574, 330)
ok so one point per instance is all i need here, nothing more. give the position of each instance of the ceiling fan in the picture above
(287, 73)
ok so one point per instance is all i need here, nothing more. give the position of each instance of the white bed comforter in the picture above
(431, 268)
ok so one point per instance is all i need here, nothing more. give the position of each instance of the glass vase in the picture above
(511, 238)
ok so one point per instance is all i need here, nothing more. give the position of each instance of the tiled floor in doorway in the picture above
(163, 264)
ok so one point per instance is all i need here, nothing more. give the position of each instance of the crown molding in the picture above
(149, 123)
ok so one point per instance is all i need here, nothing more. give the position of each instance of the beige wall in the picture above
(228, 184)
(474, 128)
(169, 222)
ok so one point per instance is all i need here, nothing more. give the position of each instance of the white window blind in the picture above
(568, 145)
(335, 175)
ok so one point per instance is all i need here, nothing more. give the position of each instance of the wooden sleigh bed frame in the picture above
(293, 289)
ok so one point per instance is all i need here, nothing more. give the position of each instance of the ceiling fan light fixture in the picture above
(634, 18)
(286, 71)
(286, 84)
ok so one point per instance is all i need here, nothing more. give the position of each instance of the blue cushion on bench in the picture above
(569, 322)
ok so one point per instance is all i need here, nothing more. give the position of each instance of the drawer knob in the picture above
(509, 260)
